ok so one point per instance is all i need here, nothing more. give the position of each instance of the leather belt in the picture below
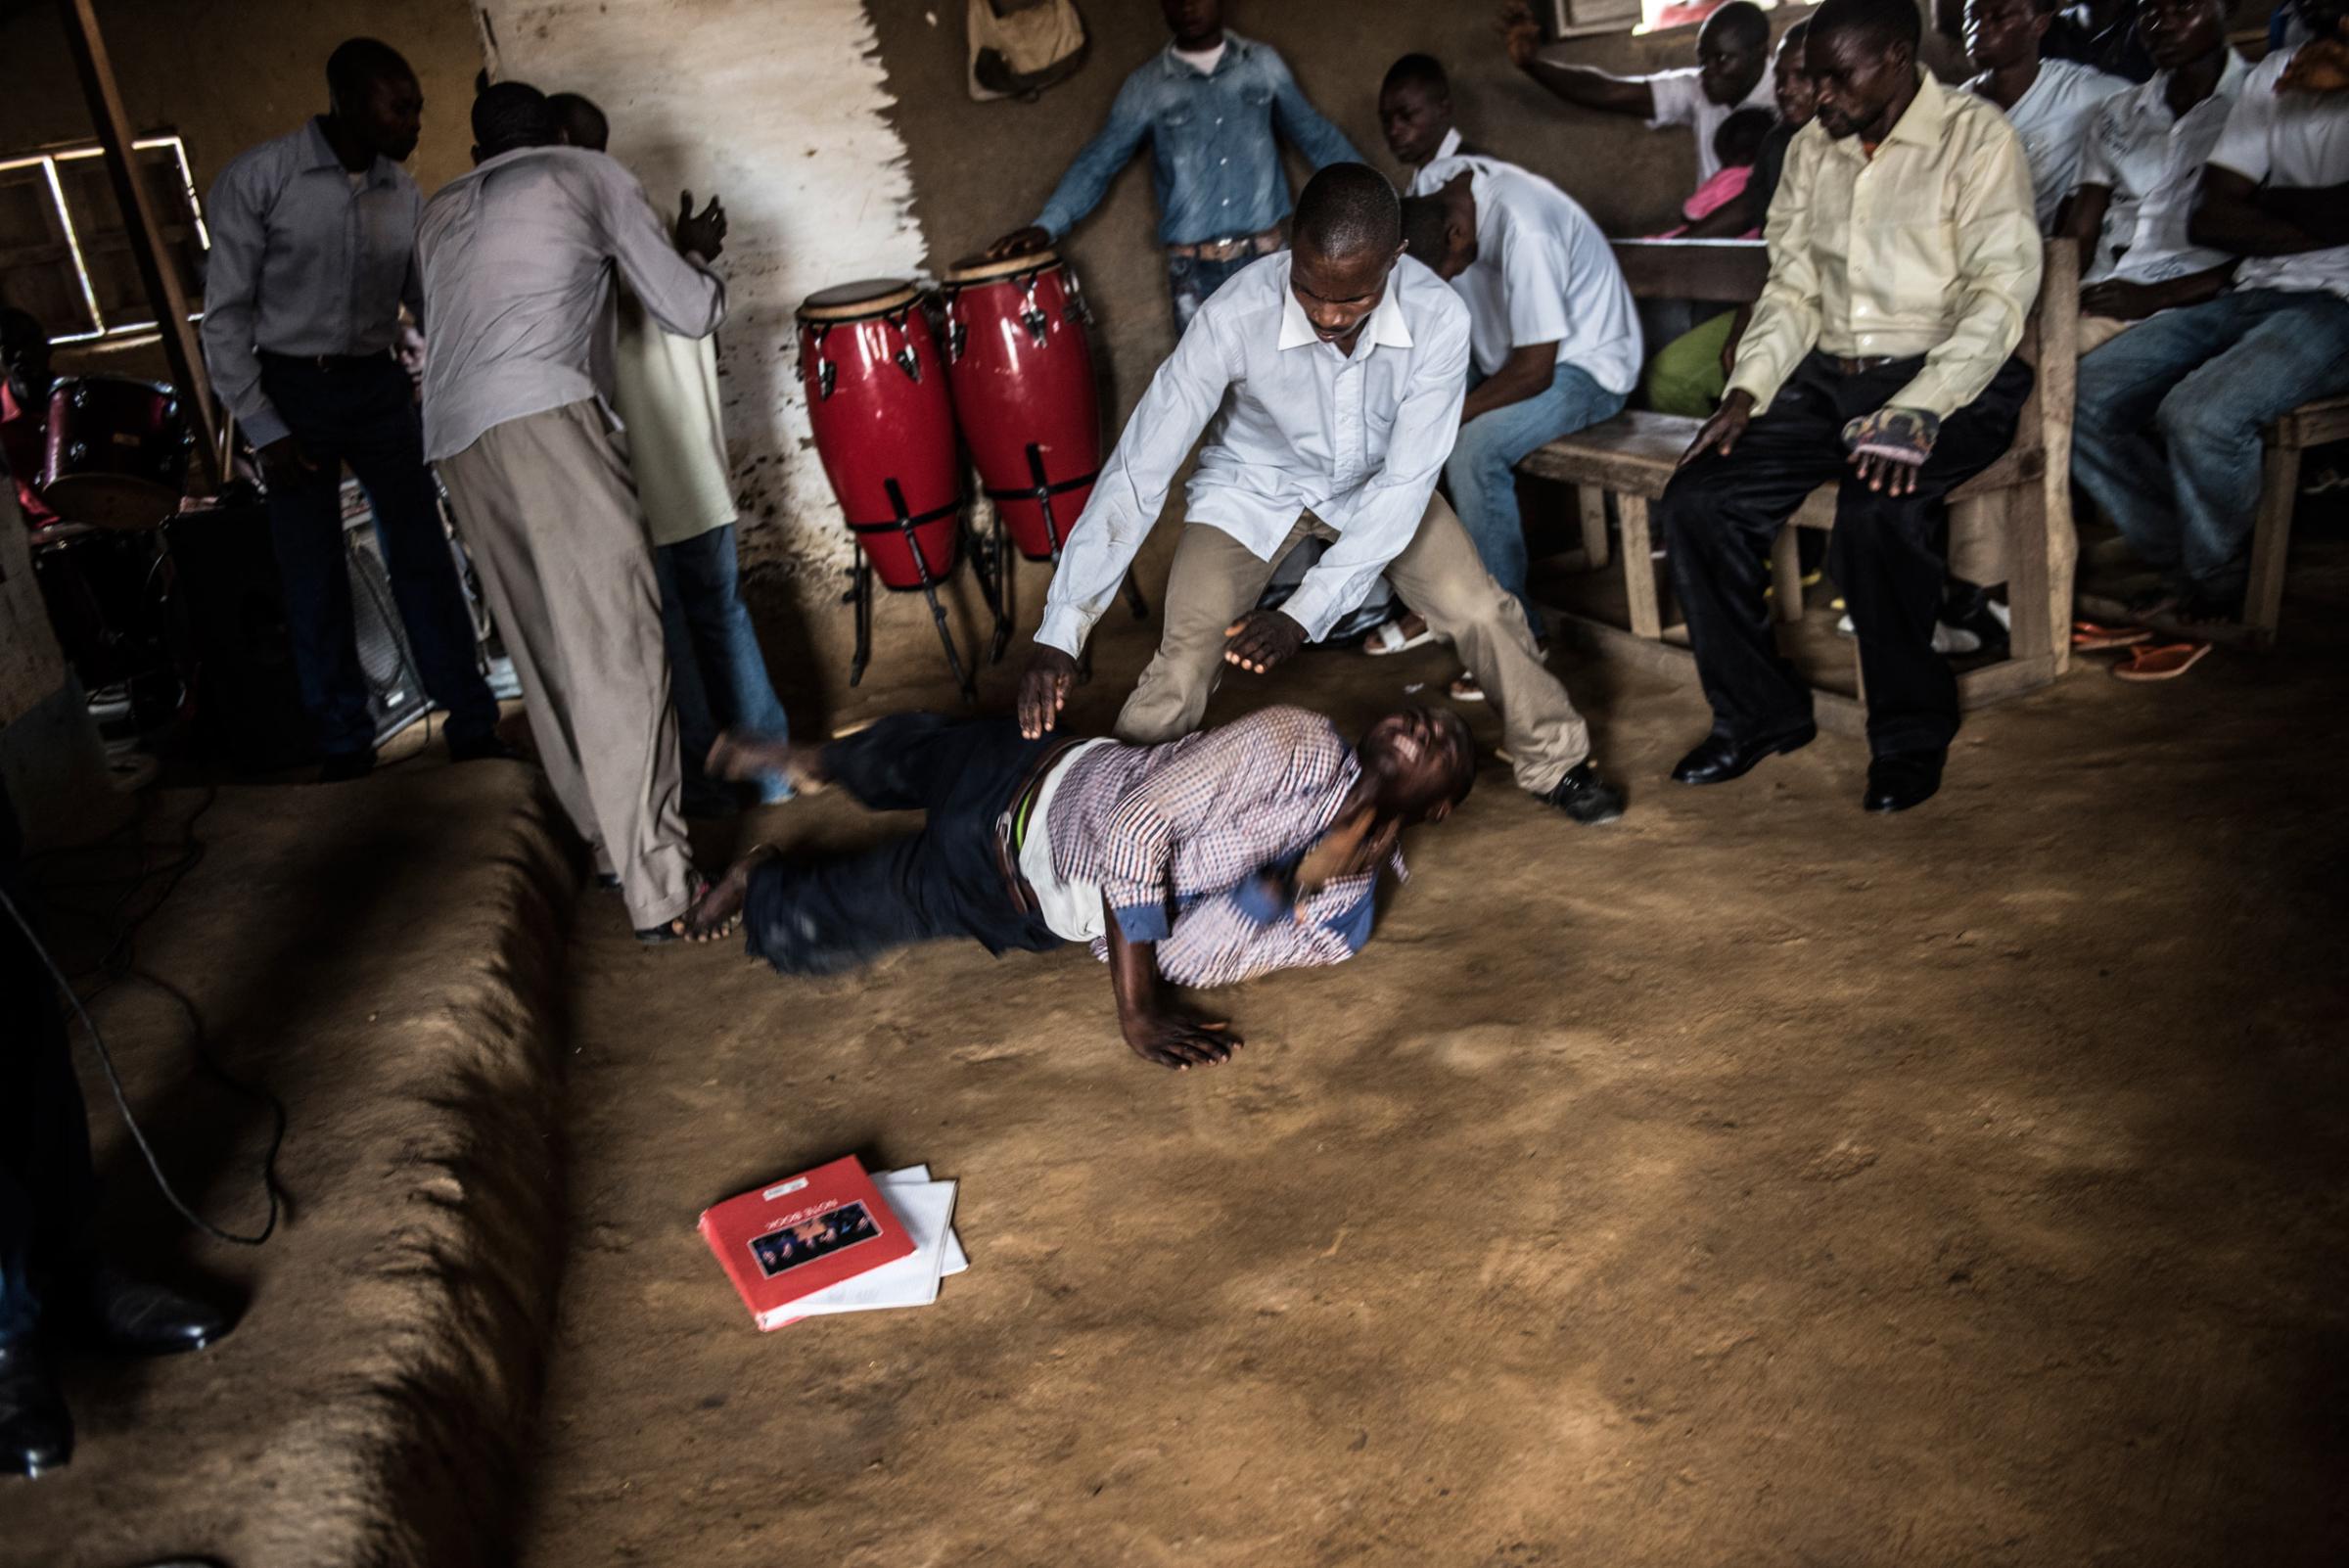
(324, 362)
(1861, 367)
(1239, 245)
(1007, 854)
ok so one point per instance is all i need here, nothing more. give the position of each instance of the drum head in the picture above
(979, 269)
(852, 302)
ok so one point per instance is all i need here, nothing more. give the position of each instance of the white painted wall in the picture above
(777, 106)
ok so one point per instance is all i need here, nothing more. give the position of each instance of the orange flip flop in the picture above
(2160, 662)
(2090, 638)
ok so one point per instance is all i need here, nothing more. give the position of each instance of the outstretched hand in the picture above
(704, 233)
(2320, 66)
(1044, 689)
(1354, 844)
(1261, 639)
(1520, 33)
(1020, 242)
(1174, 1037)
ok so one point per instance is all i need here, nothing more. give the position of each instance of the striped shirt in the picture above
(1179, 836)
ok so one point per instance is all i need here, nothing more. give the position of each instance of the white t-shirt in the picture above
(1071, 909)
(1681, 100)
(2051, 119)
(2296, 141)
(1201, 61)
(2151, 161)
(1544, 274)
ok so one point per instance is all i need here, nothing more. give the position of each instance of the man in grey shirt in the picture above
(517, 258)
(313, 253)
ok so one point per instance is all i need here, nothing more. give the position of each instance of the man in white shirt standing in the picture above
(2140, 168)
(1552, 333)
(1732, 72)
(2049, 103)
(2167, 438)
(519, 260)
(1333, 377)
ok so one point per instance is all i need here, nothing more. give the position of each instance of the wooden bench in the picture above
(2024, 496)
(2310, 425)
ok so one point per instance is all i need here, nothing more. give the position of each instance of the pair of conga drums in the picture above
(1016, 380)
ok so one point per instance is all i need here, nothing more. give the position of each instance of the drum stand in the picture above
(1041, 492)
(860, 594)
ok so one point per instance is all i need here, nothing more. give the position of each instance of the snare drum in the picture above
(1022, 373)
(116, 452)
(877, 398)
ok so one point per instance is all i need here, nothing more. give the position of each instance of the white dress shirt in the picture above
(1358, 440)
(1679, 99)
(1425, 181)
(2294, 141)
(307, 259)
(1544, 274)
(2151, 161)
(518, 259)
(2052, 117)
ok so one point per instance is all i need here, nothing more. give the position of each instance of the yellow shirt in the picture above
(1930, 247)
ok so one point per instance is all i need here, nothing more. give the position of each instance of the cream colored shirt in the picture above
(1930, 247)
(665, 389)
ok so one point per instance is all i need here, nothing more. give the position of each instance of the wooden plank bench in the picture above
(2310, 425)
(2024, 496)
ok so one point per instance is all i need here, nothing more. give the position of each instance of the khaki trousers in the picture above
(1216, 579)
(551, 520)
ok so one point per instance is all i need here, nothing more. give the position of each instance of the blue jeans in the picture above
(1482, 476)
(364, 414)
(1191, 281)
(841, 911)
(716, 676)
(2169, 416)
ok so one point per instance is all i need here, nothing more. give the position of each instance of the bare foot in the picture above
(718, 913)
(747, 756)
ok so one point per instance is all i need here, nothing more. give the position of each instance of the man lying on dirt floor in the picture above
(1203, 861)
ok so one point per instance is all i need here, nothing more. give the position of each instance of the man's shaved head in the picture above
(510, 114)
(1882, 25)
(1740, 23)
(1418, 70)
(578, 122)
(359, 63)
(1349, 211)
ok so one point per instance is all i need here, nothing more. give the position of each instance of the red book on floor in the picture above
(794, 1236)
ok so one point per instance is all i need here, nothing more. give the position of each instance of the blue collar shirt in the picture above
(1214, 161)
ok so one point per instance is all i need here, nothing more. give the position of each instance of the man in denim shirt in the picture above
(1209, 103)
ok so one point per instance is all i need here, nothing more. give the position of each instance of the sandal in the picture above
(1464, 689)
(2090, 638)
(2161, 660)
(1391, 639)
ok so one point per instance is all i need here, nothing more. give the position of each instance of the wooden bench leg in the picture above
(2271, 543)
(1787, 572)
(1594, 503)
(1640, 568)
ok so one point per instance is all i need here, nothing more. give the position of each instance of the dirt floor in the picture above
(1750, 1182)
(379, 956)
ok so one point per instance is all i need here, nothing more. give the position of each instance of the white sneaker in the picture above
(1946, 639)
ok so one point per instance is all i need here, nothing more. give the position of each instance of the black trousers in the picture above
(1720, 515)
(839, 912)
(44, 1137)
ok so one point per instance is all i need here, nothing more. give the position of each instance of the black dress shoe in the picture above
(36, 1432)
(482, 749)
(1898, 781)
(1585, 797)
(1718, 759)
(341, 767)
(132, 1317)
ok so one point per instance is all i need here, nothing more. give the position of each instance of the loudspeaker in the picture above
(395, 692)
(228, 625)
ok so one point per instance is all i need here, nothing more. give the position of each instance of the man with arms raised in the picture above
(1904, 261)
(1330, 381)
(1203, 861)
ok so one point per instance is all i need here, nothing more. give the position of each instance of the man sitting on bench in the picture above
(1904, 261)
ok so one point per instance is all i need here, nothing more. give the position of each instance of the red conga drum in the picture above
(877, 398)
(1022, 375)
